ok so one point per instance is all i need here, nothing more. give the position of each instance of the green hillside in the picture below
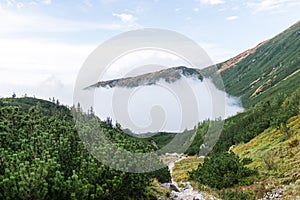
(266, 134)
(277, 157)
(273, 66)
(42, 156)
(46, 107)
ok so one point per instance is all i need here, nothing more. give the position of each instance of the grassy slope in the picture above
(255, 77)
(269, 144)
(181, 168)
(284, 153)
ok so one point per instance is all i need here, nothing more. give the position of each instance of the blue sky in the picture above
(43, 43)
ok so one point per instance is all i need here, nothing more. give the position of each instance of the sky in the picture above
(43, 43)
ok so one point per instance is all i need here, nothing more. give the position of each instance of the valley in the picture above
(53, 151)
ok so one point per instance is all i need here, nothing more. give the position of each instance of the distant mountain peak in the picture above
(169, 75)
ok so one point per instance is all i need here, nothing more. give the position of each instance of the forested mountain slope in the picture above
(259, 73)
(42, 156)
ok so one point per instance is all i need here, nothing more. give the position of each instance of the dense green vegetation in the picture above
(266, 72)
(42, 157)
(48, 108)
(222, 171)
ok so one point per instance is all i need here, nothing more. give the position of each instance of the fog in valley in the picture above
(171, 107)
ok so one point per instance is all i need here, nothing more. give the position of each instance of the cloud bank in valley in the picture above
(159, 107)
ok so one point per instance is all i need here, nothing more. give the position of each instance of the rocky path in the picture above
(186, 192)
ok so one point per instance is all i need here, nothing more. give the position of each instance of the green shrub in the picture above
(163, 175)
(42, 156)
(221, 171)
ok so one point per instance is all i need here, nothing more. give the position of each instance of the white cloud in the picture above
(126, 18)
(178, 9)
(230, 18)
(196, 9)
(212, 2)
(47, 2)
(270, 5)
(15, 22)
(40, 67)
(20, 4)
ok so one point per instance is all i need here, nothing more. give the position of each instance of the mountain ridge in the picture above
(254, 75)
(169, 75)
